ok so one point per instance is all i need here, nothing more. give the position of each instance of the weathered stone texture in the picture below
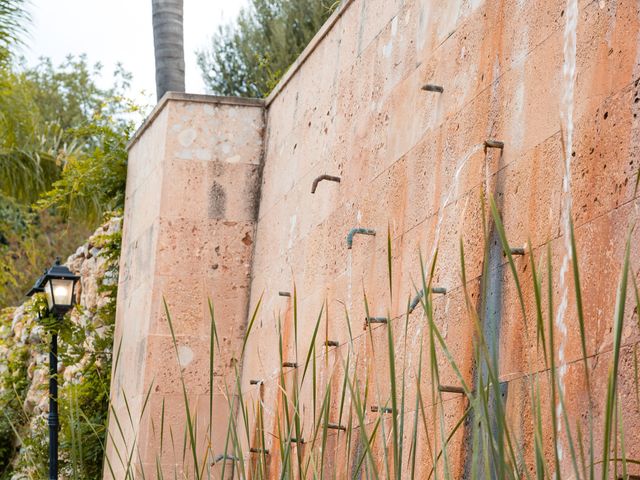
(188, 238)
(411, 163)
(355, 109)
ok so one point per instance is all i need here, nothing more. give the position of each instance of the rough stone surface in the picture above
(191, 208)
(411, 163)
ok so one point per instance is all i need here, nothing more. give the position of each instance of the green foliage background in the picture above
(13, 388)
(247, 58)
(62, 157)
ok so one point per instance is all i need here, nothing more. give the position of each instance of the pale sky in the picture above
(111, 31)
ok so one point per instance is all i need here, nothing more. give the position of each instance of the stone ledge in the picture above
(194, 98)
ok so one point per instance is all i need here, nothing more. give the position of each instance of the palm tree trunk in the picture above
(169, 46)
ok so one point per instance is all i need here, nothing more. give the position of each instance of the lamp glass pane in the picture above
(48, 293)
(62, 292)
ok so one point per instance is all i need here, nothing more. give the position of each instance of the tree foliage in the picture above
(247, 58)
(63, 164)
(62, 157)
(13, 19)
(50, 116)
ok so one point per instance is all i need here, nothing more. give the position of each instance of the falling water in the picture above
(568, 78)
(348, 307)
(445, 199)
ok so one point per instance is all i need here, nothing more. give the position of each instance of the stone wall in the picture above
(412, 163)
(191, 205)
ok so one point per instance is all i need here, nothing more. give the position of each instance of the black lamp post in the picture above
(58, 284)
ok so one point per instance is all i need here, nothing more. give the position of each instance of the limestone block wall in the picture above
(545, 78)
(191, 206)
(557, 81)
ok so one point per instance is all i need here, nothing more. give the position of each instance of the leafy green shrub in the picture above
(63, 162)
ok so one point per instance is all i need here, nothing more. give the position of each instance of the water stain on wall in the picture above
(217, 201)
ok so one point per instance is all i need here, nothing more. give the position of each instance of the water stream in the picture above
(567, 107)
(349, 281)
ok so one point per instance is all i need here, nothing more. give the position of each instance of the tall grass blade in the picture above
(213, 342)
(189, 420)
(612, 383)
(507, 251)
(250, 325)
(552, 361)
(583, 343)
(537, 292)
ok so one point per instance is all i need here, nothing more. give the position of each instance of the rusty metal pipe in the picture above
(429, 87)
(375, 409)
(517, 250)
(256, 382)
(284, 294)
(492, 143)
(420, 294)
(451, 389)
(356, 230)
(334, 426)
(416, 300)
(290, 364)
(330, 178)
(223, 456)
(332, 343)
(377, 320)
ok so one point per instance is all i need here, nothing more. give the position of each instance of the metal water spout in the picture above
(420, 294)
(357, 230)
(224, 456)
(429, 87)
(377, 320)
(335, 426)
(330, 178)
(492, 143)
(375, 409)
(451, 389)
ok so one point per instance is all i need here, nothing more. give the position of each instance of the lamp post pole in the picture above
(54, 424)
(58, 286)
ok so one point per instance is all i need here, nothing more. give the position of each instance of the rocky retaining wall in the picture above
(83, 368)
